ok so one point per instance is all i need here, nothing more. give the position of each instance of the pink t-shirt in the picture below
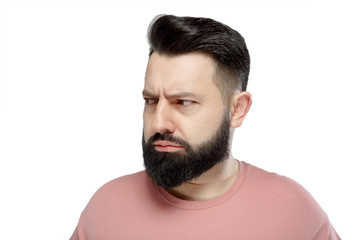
(259, 205)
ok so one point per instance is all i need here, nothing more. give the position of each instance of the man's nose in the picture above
(162, 121)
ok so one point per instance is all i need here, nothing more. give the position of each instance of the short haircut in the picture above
(172, 36)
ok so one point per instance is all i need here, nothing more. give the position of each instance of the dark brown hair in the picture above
(172, 35)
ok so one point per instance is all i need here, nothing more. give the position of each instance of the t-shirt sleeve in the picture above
(327, 232)
(78, 233)
(75, 235)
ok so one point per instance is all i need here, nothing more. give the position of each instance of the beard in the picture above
(170, 170)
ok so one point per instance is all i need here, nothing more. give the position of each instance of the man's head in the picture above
(174, 36)
(196, 70)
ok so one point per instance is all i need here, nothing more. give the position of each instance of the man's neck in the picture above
(210, 184)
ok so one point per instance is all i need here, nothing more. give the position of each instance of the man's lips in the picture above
(166, 146)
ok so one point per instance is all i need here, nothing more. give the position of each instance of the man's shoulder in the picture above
(115, 190)
(126, 179)
(124, 183)
(277, 186)
(274, 182)
(285, 197)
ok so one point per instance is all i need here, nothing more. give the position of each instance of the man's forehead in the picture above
(179, 75)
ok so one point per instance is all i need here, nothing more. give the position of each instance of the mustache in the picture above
(169, 137)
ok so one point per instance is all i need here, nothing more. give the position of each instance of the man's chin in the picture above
(170, 161)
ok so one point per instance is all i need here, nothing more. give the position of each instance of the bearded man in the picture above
(192, 187)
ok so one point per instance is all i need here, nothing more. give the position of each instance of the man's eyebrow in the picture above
(148, 93)
(172, 95)
(182, 95)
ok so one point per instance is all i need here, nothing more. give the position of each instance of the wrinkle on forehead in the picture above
(186, 74)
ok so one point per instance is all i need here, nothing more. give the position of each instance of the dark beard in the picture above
(170, 170)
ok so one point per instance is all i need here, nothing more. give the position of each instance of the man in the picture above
(193, 188)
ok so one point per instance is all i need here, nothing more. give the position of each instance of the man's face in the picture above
(184, 116)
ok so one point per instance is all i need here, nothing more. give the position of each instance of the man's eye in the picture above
(150, 100)
(184, 102)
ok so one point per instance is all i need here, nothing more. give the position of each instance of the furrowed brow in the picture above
(147, 93)
(183, 95)
(174, 95)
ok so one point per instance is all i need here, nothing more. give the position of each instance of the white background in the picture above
(71, 106)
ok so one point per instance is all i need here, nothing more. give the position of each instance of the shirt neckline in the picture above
(194, 205)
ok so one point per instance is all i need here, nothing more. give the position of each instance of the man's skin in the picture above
(182, 98)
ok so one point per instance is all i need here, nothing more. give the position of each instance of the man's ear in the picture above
(239, 106)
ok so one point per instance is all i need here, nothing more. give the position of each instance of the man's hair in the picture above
(172, 36)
